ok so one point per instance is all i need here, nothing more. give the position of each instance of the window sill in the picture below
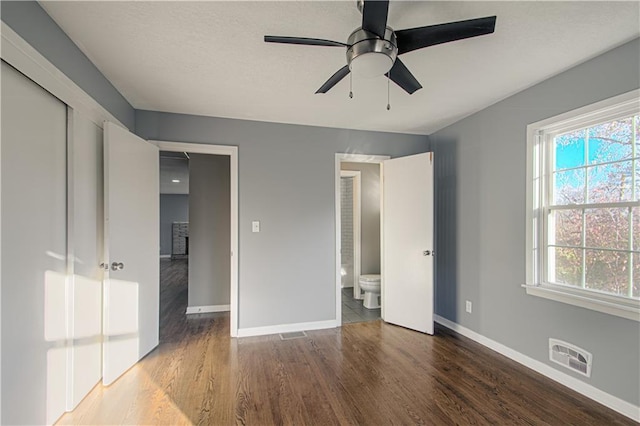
(620, 307)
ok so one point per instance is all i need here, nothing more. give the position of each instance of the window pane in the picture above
(610, 183)
(568, 227)
(568, 187)
(568, 265)
(611, 141)
(607, 271)
(569, 149)
(607, 228)
(636, 275)
(637, 172)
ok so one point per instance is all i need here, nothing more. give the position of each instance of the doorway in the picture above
(358, 235)
(202, 153)
(174, 242)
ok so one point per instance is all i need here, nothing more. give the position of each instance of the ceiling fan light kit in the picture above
(370, 56)
(373, 48)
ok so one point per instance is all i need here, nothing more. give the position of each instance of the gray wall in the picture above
(173, 208)
(33, 24)
(370, 215)
(209, 230)
(286, 181)
(480, 226)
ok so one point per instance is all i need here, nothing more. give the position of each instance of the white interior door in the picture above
(34, 240)
(407, 265)
(131, 286)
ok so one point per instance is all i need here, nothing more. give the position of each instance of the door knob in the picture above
(426, 253)
(117, 266)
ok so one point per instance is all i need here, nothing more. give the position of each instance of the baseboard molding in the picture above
(287, 328)
(623, 407)
(165, 256)
(207, 309)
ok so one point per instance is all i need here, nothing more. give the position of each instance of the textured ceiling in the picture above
(209, 58)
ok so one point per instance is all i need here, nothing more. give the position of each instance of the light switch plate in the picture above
(255, 226)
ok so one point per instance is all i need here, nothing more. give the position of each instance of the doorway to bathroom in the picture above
(358, 208)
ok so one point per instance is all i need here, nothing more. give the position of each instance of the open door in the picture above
(407, 256)
(131, 286)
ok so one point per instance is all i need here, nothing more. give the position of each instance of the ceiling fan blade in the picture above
(417, 38)
(302, 40)
(335, 79)
(374, 16)
(401, 75)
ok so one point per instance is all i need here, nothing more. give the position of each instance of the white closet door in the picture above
(86, 246)
(33, 259)
(132, 248)
(407, 267)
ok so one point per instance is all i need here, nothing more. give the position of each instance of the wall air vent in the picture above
(570, 356)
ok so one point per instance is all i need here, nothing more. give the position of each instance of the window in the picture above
(583, 236)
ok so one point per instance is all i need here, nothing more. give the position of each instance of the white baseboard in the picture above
(623, 407)
(206, 309)
(287, 328)
(165, 256)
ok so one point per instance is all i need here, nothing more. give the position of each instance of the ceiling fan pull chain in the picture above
(388, 100)
(351, 85)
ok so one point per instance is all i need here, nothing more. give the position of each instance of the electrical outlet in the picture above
(468, 306)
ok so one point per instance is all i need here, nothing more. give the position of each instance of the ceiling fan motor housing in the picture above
(368, 55)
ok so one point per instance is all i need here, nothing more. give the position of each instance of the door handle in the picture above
(117, 266)
(429, 253)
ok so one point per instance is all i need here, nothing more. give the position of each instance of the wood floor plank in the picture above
(368, 373)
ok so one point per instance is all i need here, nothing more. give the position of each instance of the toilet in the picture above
(370, 284)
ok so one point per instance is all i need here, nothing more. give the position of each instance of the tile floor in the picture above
(354, 311)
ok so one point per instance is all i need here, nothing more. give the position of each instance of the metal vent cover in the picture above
(293, 335)
(570, 356)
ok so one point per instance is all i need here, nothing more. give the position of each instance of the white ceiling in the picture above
(209, 58)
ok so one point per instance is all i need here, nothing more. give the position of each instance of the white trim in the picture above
(623, 407)
(352, 158)
(232, 152)
(207, 309)
(165, 256)
(605, 303)
(287, 328)
(22, 56)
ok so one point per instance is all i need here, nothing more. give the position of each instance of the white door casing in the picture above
(131, 286)
(407, 229)
(354, 158)
(232, 153)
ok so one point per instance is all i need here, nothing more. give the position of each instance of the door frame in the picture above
(353, 158)
(357, 206)
(232, 153)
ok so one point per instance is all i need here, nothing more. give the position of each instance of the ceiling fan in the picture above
(373, 49)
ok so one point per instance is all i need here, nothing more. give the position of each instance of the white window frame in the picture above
(540, 134)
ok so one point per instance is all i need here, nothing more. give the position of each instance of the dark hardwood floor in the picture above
(367, 373)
